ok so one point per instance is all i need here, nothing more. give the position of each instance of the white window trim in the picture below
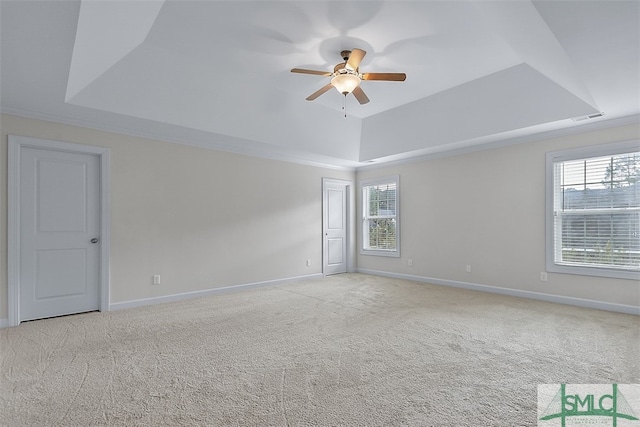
(380, 252)
(574, 154)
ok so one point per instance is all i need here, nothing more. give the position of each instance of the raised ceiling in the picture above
(217, 73)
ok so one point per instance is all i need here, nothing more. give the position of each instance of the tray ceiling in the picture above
(216, 73)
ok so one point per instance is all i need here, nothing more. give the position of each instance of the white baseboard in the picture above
(206, 292)
(559, 299)
(4, 323)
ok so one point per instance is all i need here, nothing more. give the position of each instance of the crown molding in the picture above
(225, 143)
(465, 147)
(196, 138)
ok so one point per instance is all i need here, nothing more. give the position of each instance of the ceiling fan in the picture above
(346, 76)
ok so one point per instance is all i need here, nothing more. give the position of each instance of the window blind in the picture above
(597, 211)
(380, 217)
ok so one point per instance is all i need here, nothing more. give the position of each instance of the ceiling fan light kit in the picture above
(345, 83)
(346, 76)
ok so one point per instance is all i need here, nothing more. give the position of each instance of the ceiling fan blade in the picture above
(393, 77)
(355, 57)
(305, 71)
(360, 95)
(319, 92)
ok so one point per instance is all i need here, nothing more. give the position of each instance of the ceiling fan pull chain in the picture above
(344, 105)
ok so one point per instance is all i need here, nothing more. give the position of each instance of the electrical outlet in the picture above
(468, 268)
(156, 279)
(543, 276)
(410, 262)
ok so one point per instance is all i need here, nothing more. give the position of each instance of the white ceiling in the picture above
(217, 73)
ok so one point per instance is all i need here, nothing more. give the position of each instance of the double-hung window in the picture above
(593, 210)
(380, 217)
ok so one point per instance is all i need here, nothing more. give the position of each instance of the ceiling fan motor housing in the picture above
(341, 68)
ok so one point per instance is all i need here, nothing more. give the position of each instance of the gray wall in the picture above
(487, 209)
(205, 219)
(200, 218)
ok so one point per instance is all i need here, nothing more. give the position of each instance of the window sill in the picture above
(380, 252)
(613, 273)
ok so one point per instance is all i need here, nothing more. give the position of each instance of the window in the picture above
(380, 228)
(593, 210)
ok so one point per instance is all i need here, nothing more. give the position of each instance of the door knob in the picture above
(94, 240)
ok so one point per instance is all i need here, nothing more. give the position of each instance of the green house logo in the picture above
(589, 404)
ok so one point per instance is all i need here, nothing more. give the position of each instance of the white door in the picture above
(335, 227)
(59, 268)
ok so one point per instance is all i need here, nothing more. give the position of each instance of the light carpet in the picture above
(345, 350)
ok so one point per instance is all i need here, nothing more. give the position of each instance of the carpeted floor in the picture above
(346, 350)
